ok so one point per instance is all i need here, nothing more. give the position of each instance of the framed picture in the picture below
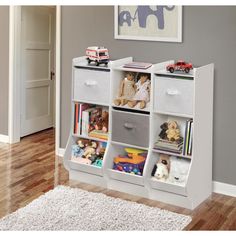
(151, 23)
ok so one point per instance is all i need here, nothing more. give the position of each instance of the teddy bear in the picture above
(173, 132)
(102, 123)
(126, 90)
(164, 128)
(90, 150)
(161, 169)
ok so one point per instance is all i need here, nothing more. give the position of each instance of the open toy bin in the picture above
(124, 168)
(82, 160)
(178, 175)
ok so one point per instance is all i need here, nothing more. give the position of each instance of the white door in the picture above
(37, 66)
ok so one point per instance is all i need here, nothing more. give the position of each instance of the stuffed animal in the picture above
(161, 172)
(173, 132)
(90, 150)
(164, 128)
(102, 123)
(162, 168)
(179, 170)
(142, 93)
(126, 90)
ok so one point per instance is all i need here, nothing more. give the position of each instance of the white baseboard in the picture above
(61, 152)
(218, 187)
(223, 188)
(4, 138)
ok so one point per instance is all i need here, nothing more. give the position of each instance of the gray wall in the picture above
(4, 65)
(209, 35)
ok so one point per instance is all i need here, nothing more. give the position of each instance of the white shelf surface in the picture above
(129, 145)
(176, 73)
(91, 169)
(171, 153)
(88, 137)
(136, 108)
(126, 177)
(122, 68)
(91, 102)
(173, 114)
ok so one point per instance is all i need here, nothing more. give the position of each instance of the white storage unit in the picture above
(176, 96)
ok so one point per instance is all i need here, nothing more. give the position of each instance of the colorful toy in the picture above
(142, 93)
(133, 162)
(99, 55)
(180, 66)
(126, 90)
(173, 132)
(98, 163)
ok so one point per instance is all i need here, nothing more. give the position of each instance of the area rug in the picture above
(66, 208)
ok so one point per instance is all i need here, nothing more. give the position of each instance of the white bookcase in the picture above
(174, 96)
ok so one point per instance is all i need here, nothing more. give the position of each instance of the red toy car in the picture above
(180, 66)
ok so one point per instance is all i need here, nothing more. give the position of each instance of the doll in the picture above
(142, 94)
(127, 90)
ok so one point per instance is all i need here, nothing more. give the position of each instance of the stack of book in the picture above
(98, 134)
(85, 117)
(169, 146)
(188, 140)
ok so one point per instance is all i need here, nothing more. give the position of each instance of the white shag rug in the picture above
(66, 208)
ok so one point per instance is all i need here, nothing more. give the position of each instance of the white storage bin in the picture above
(92, 86)
(173, 95)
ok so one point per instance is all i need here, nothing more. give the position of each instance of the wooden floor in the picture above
(30, 168)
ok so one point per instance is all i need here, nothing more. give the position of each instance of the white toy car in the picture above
(99, 55)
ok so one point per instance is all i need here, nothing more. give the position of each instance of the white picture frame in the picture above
(173, 34)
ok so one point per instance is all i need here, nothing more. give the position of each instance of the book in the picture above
(76, 112)
(86, 121)
(82, 107)
(190, 140)
(138, 65)
(99, 134)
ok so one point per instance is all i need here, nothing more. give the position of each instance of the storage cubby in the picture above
(177, 180)
(123, 170)
(178, 97)
(91, 121)
(119, 83)
(158, 120)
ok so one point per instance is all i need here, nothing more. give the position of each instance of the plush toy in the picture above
(90, 150)
(179, 170)
(173, 132)
(164, 128)
(102, 123)
(126, 90)
(142, 93)
(162, 168)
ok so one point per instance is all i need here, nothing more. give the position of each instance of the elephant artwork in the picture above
(141, 14)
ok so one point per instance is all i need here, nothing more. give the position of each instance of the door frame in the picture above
(14, 71)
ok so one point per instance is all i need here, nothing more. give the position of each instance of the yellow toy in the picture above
(133, 154)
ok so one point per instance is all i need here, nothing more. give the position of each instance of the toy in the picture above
(180, 66)
(173, 132)
(102, 122)
(99, 55)
(164, 128)
(142, 94)
(162, 167)
(132, 163)
(179, 170)
(126, 90)
(90, 150)
(98, 163)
